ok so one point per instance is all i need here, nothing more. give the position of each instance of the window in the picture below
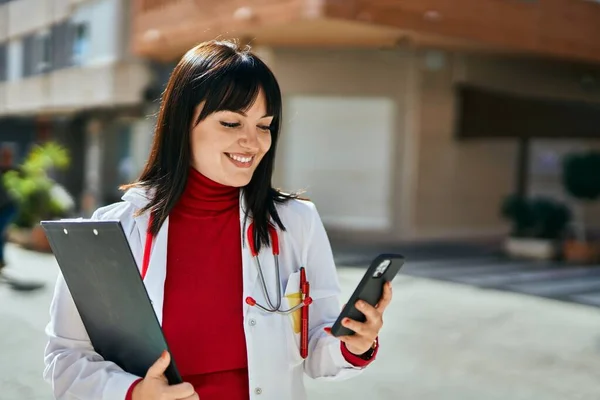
(44, 52)
(3, 62)
(37, 55)
(27, 54)
(14, 60)
(62, 45)
(80, 43)
(363, 181)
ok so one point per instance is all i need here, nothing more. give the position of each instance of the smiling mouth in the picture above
(239, 160)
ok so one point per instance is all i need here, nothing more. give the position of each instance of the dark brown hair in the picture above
(225, 77)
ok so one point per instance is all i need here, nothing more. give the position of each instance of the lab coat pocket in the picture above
(293, 297)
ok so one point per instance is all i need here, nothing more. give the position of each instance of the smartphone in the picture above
(383, 268)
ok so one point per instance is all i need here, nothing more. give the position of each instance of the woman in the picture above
(208, 178)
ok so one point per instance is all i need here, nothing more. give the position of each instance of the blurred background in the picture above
(464, 134)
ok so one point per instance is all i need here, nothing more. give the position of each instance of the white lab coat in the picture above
(275, 366)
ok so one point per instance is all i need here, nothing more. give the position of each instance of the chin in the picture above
(238, 184)
(239, 181)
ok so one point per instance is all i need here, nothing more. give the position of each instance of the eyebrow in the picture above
(246, 115)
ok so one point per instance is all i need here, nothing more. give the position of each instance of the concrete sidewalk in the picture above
(441, 341)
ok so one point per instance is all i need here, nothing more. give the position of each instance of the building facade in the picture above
(67, 74)
(375, 113)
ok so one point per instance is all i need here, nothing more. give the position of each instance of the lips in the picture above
(244, 161)
(241, 158)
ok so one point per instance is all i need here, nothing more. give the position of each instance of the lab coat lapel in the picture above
(249, 270)
(157, 269)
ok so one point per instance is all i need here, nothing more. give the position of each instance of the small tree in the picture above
(517, 210)
(36, 193)
(581, 180)
(551, 218)
(539, 218)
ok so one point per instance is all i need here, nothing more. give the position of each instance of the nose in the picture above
(249, 139)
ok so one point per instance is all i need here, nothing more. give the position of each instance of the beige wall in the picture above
(27, 16)
(74, 88)
(528, 76)
(351, 73)
(440, 187)
(27, 95)
(461, 184)
(3, 22)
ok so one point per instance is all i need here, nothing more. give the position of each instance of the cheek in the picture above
(265, 143)
(207, 144)
(200, 147)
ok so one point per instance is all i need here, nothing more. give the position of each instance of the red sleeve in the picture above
(359, 361)
(129, 395)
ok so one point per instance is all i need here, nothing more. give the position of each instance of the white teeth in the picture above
(240, 159)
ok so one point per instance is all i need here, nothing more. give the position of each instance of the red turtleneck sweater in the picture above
(204, 279)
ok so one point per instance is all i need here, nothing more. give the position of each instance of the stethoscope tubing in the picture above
(273, 307)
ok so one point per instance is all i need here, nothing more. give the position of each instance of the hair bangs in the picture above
(236, 88)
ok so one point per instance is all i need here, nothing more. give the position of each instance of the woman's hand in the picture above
(156, 387)
(366, 332)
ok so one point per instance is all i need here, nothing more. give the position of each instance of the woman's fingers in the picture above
(386, 297)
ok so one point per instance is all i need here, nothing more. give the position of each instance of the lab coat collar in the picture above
(156, 275)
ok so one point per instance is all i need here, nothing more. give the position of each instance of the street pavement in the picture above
(441, 340)
(576, 283)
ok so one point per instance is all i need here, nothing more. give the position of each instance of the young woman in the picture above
(202, 207)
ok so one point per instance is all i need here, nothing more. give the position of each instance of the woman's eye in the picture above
(264, 128)
(230, 124)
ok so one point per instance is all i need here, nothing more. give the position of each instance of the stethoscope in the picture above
(273, 308)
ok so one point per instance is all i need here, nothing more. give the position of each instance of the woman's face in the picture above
(227, 146)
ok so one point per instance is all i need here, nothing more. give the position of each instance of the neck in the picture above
(203, 196)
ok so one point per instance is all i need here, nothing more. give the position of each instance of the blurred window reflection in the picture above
(80, 43)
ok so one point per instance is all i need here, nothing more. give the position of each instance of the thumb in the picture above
(158, 368)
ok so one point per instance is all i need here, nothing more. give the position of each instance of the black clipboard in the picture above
(103, 278)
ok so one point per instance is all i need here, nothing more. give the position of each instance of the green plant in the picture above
(33, 189)
(581, 175)
(516, 209)
(581, 180)
(551, 218)
(540, 217)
